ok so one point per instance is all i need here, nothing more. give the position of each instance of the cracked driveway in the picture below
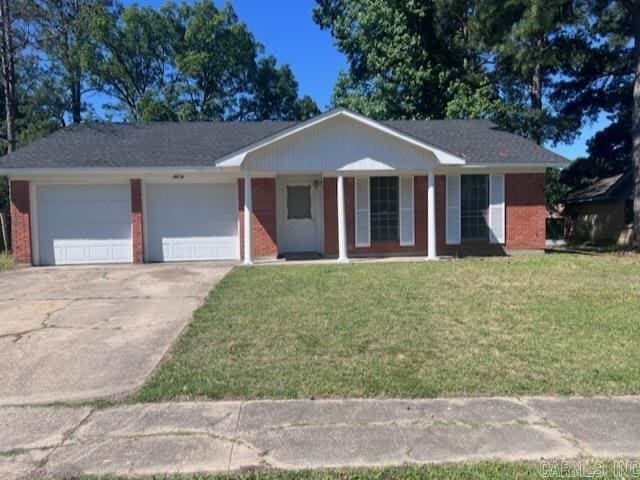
(80, 333)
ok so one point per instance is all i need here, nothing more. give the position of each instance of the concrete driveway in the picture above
(78, 333)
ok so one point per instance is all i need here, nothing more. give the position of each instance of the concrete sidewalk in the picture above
(226, 436)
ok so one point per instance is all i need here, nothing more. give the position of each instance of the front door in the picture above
(299, 215)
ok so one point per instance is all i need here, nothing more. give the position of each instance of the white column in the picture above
(342, 223)
(248, 213)
(431, 217)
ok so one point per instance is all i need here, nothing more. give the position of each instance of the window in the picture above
(384, 209)
(628, 212)
(475, 207)
(298, 202)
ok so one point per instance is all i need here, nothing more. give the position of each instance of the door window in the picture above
(298, 202)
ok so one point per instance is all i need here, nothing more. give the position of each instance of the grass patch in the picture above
(479, 471)
(6, 262)
(541, 324)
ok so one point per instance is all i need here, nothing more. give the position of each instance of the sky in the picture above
(287, 31)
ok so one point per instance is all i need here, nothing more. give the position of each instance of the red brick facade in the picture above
(525, 216)
(525, 219)
(137, 234)
(526, 211)
(331, 221)
(20, 221)
(330, 199)
(263, 194)
(524, 200)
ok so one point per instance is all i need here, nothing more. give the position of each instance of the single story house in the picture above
(602, 213)
(339, 185)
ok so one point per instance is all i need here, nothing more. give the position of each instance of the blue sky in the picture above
(287, 31)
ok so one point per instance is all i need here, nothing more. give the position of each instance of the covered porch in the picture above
(343, 216)
(344, 186)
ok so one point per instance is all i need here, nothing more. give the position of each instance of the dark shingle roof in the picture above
(478, 141)
(201, 144)
(612, 188)
(162, 144)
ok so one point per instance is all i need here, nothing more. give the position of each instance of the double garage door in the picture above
(83, 224)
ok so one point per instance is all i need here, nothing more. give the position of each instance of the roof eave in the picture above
(127, 170)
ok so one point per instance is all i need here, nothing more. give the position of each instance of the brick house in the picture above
(339, 185)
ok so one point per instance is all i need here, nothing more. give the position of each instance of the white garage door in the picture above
(192, 222)
(84, 224)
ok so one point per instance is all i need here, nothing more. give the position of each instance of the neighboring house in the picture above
(340, 185)
(601, 213)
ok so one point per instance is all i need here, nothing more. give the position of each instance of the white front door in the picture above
(189, 222)
(80, 224)
(300, 215)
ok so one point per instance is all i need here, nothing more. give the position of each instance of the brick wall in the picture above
(136, 221)
(330, 198)
(20, 222)
(331, 221)
(525, 216)
(526, 212)
(263, 193)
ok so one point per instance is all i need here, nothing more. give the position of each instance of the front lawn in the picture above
(481, 471)
(554, 324)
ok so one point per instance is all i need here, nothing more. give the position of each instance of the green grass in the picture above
(541, 324)
(476, 471)
(6, 262)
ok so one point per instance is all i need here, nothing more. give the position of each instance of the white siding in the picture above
(339, 143)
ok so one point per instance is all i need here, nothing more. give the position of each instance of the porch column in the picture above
(342, 222)
(248, 226)
(431, 217)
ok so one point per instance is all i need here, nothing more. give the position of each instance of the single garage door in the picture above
(192, 222)
(84, 224)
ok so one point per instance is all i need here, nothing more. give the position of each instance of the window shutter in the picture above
(407, 236)
(496, 209)
(363, 218)
(453, 209)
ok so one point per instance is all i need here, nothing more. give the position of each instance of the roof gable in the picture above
(339, 143)
(443, 156)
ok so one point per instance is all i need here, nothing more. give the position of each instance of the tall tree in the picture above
(633, 8)
(64, 35)
(602, 75)
(132, 55)
(525, 42)
(274, 95)
(214, 59)
(403, 56)
(8, 54)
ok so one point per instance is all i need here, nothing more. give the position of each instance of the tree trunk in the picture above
(9, 73)
(76, 102)
(633, 7)
(635, 132)
(536, 103)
